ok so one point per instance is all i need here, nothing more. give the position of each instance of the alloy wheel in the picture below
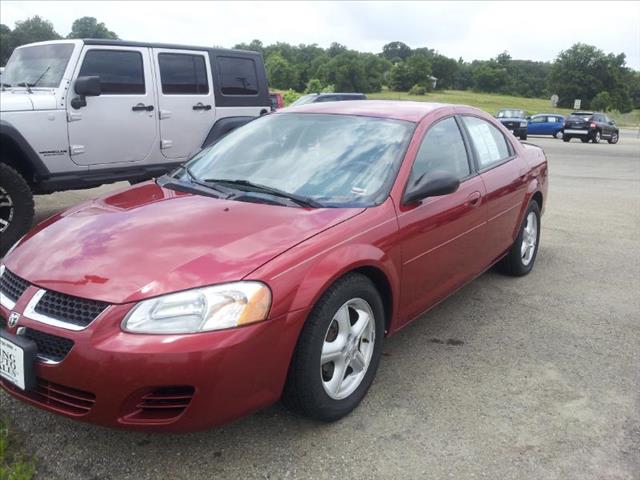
(529, 239)
(347, 349)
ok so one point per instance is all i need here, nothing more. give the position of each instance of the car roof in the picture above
(127, 43)
(394, 109)
(548, 114)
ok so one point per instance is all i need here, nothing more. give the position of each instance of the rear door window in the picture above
(238, 76)
(488, 142)
(121, 72)
(183, 74)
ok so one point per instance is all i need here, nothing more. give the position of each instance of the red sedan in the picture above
(272, 265)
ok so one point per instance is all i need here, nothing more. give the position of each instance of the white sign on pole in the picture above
(576, 104)
(554, 100)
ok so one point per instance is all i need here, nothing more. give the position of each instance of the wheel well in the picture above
(537, 197)
(10, 154)
(383, 286)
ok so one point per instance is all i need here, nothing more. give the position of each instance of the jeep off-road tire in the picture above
(16, 207)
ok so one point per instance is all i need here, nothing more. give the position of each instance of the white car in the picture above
(81, 113)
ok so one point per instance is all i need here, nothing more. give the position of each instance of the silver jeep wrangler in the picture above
(81, 113)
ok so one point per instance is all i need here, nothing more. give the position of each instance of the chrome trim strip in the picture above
(6, 302)
(30, 312)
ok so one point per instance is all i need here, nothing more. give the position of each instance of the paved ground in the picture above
(544, 383)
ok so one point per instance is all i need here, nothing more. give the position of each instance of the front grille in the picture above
(12, 285)
(50, 347)
(59, 397)
(162, 404)
(74, 310)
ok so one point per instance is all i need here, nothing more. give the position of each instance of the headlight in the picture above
(523, 124)
(201, 310)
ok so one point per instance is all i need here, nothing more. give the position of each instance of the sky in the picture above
(471, 30)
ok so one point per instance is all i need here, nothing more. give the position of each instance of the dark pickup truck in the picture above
(515, 120)
(592, 126)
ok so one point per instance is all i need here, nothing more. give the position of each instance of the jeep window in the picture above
(120, 71)
(238, 76)
(183, 74)
(38, 66)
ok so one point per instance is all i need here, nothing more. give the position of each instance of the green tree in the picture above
(314, 86)
(280, 72)
(445, 70)
(5, 44)
(396, 51)
(347, 73)
(34, 29)
(602, 102)
(583, 71)
(88, 27)
(400, 78)
(336, 49)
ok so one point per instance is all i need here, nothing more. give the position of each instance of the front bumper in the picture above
(162, 382)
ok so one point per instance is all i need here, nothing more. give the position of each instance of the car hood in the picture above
(19, 100)
(147, 241)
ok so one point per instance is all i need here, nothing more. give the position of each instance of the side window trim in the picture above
(512, 150)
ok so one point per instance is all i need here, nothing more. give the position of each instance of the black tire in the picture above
(615, 136)
(566, 139)
(19, 213)
(523, 136)
(304, 392)
(584, 139)
(512, 264)
(596, 137)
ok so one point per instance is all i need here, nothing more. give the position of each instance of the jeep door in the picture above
(120, 125)
(185, 96)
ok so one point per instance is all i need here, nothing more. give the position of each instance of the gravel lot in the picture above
(537, 377)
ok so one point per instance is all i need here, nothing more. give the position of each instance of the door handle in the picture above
(473, 200)
(200, 106)
(142, 107)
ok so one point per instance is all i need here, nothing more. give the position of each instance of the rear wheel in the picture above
(558, 134)
(338, 351)
(614, 138)
(520, 259)
(596, 137)
(16, 207)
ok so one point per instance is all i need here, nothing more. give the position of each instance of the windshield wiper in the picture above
(193, 179)
(25, 85)
(299, 199)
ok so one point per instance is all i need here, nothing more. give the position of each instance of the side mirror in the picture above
(85, 87)
(529, 117)
(433, 184)
(611, 122)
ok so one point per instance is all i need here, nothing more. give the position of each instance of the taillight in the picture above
(592, 125)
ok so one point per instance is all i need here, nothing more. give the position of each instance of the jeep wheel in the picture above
(16, 207)
(523, 136)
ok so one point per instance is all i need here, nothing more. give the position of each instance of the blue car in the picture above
(546, 124)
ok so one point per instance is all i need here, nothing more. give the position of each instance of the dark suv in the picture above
(592, 126)
(328, 97)
(515, 120)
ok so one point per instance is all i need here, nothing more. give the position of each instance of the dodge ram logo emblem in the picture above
(13, 319)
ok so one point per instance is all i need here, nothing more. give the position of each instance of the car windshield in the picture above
(511, 114)
(305, 99)
(37, 66)
(331, 160)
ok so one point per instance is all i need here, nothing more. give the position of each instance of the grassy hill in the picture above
(492, 102)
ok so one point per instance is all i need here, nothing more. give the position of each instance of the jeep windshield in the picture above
(511, 114)
(37, 66)
(301, 158)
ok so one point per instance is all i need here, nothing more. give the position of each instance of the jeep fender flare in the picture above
(10, 133)
(223, 126)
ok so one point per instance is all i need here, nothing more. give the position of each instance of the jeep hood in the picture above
(148, 240)
(19, 100)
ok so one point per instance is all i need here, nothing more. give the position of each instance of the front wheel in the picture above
(338, 351)
(614, 138)
(522, 255)
(16, 207)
